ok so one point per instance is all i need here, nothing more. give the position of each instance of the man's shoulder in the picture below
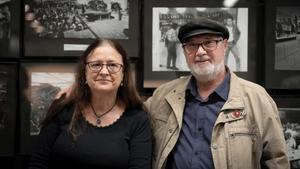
(251, 87)
(178, 85)
(179, 82)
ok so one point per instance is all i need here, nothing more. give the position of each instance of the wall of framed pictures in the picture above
(40, 41)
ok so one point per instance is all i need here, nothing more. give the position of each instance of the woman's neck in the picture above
(104, 101)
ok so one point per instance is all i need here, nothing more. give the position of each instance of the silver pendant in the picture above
(98, 121)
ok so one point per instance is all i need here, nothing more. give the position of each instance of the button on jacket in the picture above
(247, 133)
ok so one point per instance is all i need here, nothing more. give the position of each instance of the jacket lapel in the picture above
(233, 109)
(176, 99)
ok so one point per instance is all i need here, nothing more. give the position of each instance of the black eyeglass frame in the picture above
(202, 45)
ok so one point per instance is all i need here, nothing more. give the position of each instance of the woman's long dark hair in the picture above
(81, 94)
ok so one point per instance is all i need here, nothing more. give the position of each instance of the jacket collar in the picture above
(235, 99)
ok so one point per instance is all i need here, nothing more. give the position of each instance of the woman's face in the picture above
(104, 69)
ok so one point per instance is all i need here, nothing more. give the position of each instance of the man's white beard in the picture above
(208, 73)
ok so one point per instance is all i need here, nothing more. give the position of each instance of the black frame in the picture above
(49, 47)
(154, 79)
(277, 79)
(8, 109)
(10, 46)
(27, 139)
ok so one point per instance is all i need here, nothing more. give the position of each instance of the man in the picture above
(213, 119)
(171, 42)
(231, 47)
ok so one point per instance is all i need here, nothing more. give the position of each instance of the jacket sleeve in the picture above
(274, 147)
(43, 147)
(140, 143)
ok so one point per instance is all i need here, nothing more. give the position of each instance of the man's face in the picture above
(229, 21)
(206, 63)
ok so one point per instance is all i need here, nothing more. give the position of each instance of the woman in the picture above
(102, 124)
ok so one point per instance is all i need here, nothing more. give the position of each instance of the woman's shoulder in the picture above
(65, 114)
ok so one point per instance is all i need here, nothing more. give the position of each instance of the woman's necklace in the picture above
(98, 120)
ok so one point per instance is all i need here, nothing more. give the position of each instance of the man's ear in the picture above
(225, 42)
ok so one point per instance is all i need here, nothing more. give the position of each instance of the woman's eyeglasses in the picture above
(97, 66)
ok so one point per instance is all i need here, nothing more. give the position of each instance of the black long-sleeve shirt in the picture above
(126, 144)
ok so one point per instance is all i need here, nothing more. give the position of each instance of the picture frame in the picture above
(134, 70)
(9, 28)
(8, 108)
(282, 32)
(39, 83)
(289, 113)
(84, 22)
(157, 71)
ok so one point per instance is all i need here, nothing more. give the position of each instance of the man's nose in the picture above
(200, 50)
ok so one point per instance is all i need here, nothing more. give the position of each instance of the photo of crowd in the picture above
(167, 53)
(80, 18)
(287, 38)
(290, 119)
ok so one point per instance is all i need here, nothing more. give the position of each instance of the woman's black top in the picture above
(126, 144)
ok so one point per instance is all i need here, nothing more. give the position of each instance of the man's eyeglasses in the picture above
(209, 45)
(97, 66)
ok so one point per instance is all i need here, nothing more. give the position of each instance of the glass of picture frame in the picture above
(160, 15)
(8, 108)
(40, 82)
(282, 52)
(69, 30)
(9, 28)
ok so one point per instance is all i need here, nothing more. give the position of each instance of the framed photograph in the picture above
(282, 44)
(163, 55)
(40, 82)
(8, 108)
(9, 28)
(65, 28)
(289, 112)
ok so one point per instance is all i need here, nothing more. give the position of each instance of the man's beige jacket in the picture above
(247, 133)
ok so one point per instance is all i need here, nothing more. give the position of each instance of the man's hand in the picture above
(67, 92)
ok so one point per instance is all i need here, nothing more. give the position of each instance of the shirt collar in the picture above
(222, 90)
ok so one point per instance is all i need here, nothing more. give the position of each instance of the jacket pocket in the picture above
(242, 147)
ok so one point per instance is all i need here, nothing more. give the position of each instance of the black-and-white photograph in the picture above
(44, 87)
(3, 101)
(5, 18)
(290, 119)
(39, 83)
(8, 107)
(167, 54)
(287, 38)
(79, 18)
